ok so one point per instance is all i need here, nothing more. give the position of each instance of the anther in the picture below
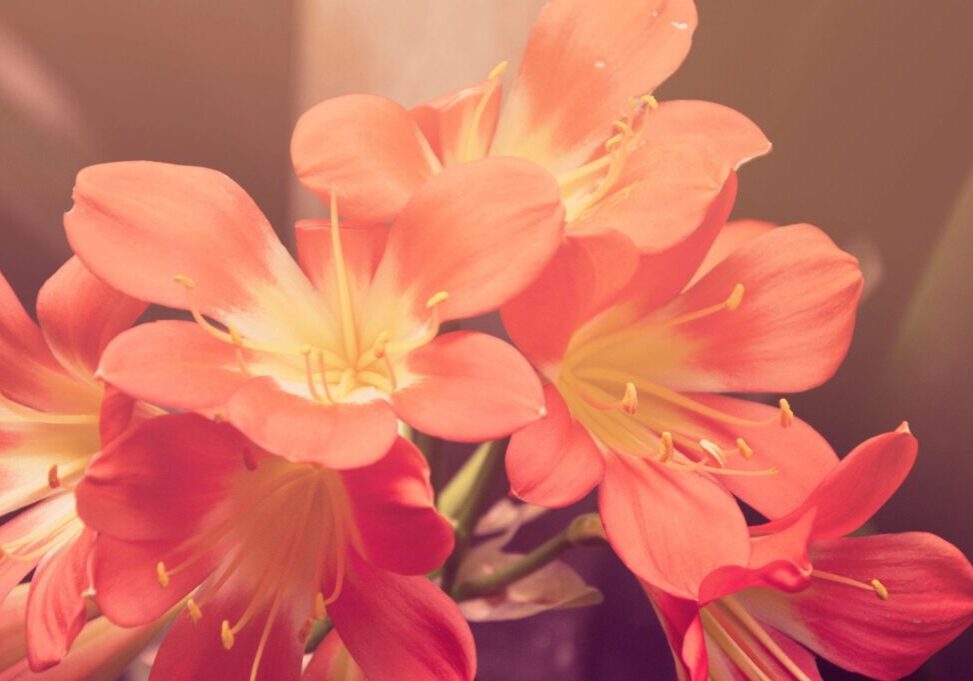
(714, 451)
(786, 414)
(498, 70)
(736, 297)
(161, 574)
(630, 400)
(53, 480)
(320, 612)
(188, 282)
(623, 128)
(880, 589)
(195, 613)
(249, 459)
(744, 448)
(226, 634)
(436, 298)
(650, 101)
(666, 448)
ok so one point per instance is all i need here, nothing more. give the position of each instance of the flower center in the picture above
(350, 369)
(284, 536)
(601, 390)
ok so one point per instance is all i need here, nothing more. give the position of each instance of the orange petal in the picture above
(447, 122)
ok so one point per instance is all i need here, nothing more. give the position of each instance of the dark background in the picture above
(868, 104)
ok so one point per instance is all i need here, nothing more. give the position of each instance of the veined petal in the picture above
(79, 315)
(481, 232)
(583, 63)
(468, 387)
(56, 607)
(857, 487)
(139, 225)
(930, 602)
(584, 276)
(671, 528)
(342, 435)
(447, 122)
(270, 649)
(367, 149)
(402, 627)
(392, 502)
(29, 373)
(793, 325)
(553, 462)
(173, 363)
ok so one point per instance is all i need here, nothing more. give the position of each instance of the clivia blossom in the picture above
(259, 548)
(54, 415)
(581, 109)
(316, 365)
(631, 364)
(877, 605)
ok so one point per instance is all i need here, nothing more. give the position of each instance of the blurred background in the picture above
(868, 103)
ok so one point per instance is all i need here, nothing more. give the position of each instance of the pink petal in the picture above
(684, 630)
(479, 231)
(584, 276)
(857, 487)
(29, 373)
(730, 238)
(365, 148)
(671, 528)
(792, 328)
(137, 225)
(402, 627)
(930, 586)
(173, 363)
(392, 502)
(447, 123)
(79, 315)
(583, 63)
(55, 607)
(333, 435)
(468, 387)
(553, 462)
(361, 245)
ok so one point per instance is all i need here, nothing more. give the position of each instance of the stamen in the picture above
(630, 401)
(473, 129)
(348, 329)
(195, 613)
(873, 585)
(731, 303)
(320, 611)
(666, 448)
(324, 378)
(744, 448)
(227, 636)
(162, 574)
(435, 299)
(786, 414)
(238, 343)
(714, 451)
(731, 647)
(650, 101)
(381, 341)
(309, 374)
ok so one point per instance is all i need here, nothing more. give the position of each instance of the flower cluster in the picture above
(245, 481)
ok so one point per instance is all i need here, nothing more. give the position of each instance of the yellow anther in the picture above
(320, 612)
(195, 614)
(650, 101)
(188, 282)
(786, 414)
(381, 341)
(880, 589)
(161, 574)
(623, 128)
(744, 448)
(733, 302)
(53, 480)
(436, 298)
(498, 70)
(713, 450)
(226, 634)
(666, 448)
(613, 141)
(630, 401)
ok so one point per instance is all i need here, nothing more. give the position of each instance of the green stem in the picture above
(585, 530)
(472, 508)
(319, 630)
